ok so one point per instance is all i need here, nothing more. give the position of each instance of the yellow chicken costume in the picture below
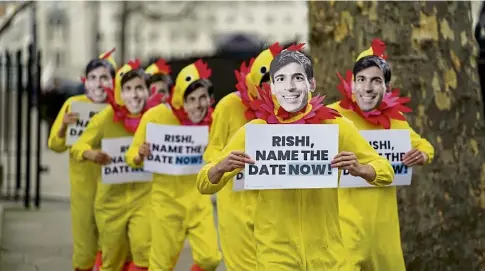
(83, 176)
(235, 210)
(298, 229)
(379, 248)
(159, 67)
(178, 210)
(122, 210)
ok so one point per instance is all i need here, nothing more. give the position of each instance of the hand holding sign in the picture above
(98, 157)
(348, 161)
(70, 118)
(143, 152)
(414, 157)
(234, 160)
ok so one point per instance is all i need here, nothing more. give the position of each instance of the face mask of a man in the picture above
(134, 94)
(291, 87)
(369, 88)
(197, 104)
(96, 81)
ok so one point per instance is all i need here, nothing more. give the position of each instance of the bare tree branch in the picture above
(18, 9)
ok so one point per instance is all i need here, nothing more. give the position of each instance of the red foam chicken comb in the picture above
(296, 47)
(134, 64)
(108, 54)
(379, 48)
(275, 49)
(162, 66)
(204, 71)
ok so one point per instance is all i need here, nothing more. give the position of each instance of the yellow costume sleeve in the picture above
(92, 135)
(351, 140)
(218, 133)
(138, 140)
(56, 143)
(236, 143)
(421, 144)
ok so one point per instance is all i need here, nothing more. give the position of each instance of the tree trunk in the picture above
(432, 53)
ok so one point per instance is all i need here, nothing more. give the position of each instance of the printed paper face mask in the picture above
(96, 81)
(134, 95)
(291, 87)
(369, 88)
(196, 104)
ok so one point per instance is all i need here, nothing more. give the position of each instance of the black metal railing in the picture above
(20, 145)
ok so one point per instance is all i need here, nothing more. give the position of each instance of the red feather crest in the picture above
(317, 114)
(185, 120)
(275, 49)
(379, 48)
(134, 64)
(391, 107)
(296, 47)
(241, 87)
(108, 54)
(163, 67)
(204, 71)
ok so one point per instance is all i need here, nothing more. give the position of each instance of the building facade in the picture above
(68, 34)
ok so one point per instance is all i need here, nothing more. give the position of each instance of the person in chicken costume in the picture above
(159, 79)
(178, 210)
(122, 210)
(297, 229)
(99, 73)
(370, 102)
(235, 209)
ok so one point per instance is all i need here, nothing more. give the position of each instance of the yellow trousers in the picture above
(123, 218)
(372, 237)
(235, 212)
(83, 178)
(179, 211)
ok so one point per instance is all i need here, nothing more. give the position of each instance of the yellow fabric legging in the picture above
(84, 231)
(125, 228)
(178, 212)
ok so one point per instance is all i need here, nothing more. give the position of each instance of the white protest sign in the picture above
(390, 144)
(86, 111)
(176, 150)
(238, 181)
(118, 171)
(291, 156)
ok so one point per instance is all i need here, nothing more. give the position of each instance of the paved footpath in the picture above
(40, 240)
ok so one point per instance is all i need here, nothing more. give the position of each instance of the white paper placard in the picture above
(176, 150)
(118, 171)
(390, 144)
(291, 156)
(86, 111)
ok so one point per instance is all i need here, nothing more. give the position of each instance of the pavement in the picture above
(40, 240)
